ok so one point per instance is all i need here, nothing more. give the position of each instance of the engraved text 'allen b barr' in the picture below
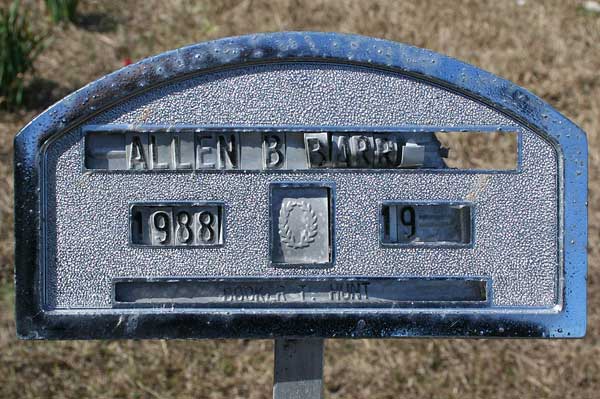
(161, 149)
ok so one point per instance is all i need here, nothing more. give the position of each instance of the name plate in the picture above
(198, 149)
(156, 148)
(303, 293)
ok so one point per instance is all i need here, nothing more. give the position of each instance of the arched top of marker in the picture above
(500, 94)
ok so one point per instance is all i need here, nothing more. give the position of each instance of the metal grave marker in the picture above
(299, 185)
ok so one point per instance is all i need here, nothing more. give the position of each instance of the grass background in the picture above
(550, 47)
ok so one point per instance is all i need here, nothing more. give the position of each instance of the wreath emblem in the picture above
(310, 226)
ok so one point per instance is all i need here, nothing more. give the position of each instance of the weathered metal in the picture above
(75, 224)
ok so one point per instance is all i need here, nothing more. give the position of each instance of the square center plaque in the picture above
(301, 230)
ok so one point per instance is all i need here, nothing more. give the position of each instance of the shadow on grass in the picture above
(97, 22)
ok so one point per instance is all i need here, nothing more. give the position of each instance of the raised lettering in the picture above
(161, 228)
(361, 151)
(206, 151)
(386, 152)
(317, 149)
(160, 150)
(183, 150)
(227, 151)
(137, 157)
(273, 155)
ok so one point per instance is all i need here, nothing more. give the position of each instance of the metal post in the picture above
(298, 369)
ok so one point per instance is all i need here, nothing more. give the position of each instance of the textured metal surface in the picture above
(511, 103)
(516, 225)
(304, 94)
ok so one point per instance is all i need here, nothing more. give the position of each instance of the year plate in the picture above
(300, 184)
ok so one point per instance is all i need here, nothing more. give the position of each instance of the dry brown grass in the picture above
(551, 48)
